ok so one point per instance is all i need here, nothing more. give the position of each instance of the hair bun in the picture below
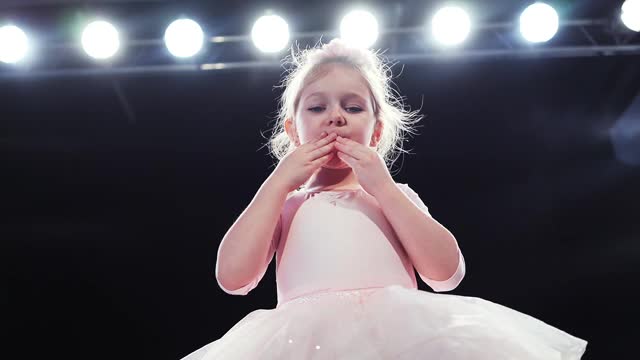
(340, 48)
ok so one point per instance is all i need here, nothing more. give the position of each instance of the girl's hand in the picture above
(298, 166)
(367, 164)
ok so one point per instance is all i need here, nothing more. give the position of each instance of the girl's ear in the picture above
(290, 128)
(377, 133)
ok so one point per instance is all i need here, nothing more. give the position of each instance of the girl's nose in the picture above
(336, 118)
(337, 121)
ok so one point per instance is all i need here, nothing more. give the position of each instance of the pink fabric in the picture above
(322, 245)
(347, 290)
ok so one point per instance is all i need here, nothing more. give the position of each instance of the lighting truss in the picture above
(595, 38)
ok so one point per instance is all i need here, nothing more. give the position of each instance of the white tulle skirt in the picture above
(391, 322)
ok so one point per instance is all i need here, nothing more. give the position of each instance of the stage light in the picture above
(270, 33)
(451, 25)
(631, 14)
(100, 40)
(13, 44)
(183, 38)
(359, 28)
(539, 22)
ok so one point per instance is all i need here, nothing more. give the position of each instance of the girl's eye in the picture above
(353, 109)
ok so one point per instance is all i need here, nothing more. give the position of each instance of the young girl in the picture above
(347, 239)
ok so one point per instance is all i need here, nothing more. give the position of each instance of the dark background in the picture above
(113, 215)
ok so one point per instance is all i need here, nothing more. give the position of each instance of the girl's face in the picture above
(337, 101)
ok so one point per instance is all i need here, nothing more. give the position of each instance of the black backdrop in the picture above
(112, 218)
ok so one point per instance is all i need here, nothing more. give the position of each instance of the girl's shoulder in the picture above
(413, 196)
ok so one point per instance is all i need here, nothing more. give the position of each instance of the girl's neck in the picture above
(333, 179)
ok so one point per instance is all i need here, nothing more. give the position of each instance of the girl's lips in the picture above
(337, 133)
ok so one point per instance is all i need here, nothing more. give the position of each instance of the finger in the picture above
(324, 140)
(320, 137)
(349, 160)
(322, 150)
(321, 160)
(352, 150)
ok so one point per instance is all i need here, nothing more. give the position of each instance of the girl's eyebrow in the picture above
(347, 95)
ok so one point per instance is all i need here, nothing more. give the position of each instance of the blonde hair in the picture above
(388, 107)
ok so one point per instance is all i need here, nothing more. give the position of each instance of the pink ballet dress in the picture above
(347, 290)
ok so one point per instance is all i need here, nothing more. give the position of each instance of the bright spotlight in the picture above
(13, 44)
(539, 22)
(451, 25)
(359, 28)
(631, 14)
(100, 40)
(183, 38)
(270, 33)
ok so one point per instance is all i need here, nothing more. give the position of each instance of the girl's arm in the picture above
(432, 249)
(246, 245)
